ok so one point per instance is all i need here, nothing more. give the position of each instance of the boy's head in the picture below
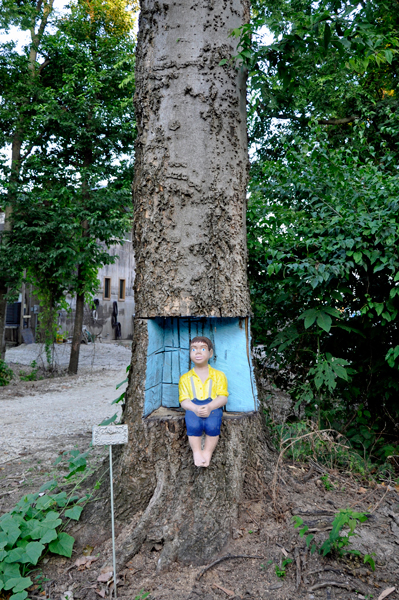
(201, 350)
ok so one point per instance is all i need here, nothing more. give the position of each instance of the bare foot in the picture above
(199, 460)
(207, 458)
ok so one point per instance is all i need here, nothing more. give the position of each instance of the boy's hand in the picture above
(204, 411)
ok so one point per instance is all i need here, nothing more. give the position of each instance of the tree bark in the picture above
(190, 248)
(77, 335)
(3, 308)
(188, 510)
(191, 162)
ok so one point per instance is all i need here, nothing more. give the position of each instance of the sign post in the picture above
(111, 435)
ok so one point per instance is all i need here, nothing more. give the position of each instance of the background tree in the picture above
(74, 191)
(21, 95)
(323, 221)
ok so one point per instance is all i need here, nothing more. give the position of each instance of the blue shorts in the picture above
(196, 426)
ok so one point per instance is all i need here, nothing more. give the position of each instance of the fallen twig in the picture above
(308, 474)
(225, 590)
(323, 584)
(254, 520)
(298, 568)
(337, 571)
(379, 502)
(9, 492)
(227, 557)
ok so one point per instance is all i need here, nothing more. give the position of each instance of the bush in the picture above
(6, 373)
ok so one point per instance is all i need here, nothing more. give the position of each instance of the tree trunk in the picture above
(77, 335)
(3, 308)
(190, 248)
(191, 162)
(169, 501)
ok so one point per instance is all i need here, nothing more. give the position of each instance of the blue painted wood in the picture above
(153, 397)
(154, 373)
(170, 395)
(155, 335)
(168, 359)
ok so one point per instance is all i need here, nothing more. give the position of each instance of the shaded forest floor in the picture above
(260, 532)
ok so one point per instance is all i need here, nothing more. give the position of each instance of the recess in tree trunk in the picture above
(189, 191)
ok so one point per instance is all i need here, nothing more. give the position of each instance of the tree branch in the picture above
(26, 154)
(342, 121)
(338, 121)
(44, 64)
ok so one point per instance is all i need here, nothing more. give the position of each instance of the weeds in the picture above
(32, 376)
(343, 528)
(36, 526)
(6, 374)
(326, 483)
(303, 440)
(281, 571)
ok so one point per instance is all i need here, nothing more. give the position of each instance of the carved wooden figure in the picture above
(190, 247)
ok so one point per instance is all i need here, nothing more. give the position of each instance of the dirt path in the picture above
(50, 413)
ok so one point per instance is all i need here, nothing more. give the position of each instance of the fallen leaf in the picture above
(386, 593)
(84, 562)
(225, 590)
(100, 592)
(361, 490)
(105, 577)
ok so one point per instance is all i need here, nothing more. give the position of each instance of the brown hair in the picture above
(204, 340)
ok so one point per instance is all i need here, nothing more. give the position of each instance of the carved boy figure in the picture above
(202, 393)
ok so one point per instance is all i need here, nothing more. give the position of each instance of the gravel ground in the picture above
(91, 357)
(47, 413)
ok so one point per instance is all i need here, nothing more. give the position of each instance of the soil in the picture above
(262, 538)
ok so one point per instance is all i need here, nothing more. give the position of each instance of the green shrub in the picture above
(6, 374)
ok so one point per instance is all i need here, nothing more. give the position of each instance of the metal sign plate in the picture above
(110, 435)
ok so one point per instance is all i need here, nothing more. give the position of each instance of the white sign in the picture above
(110, 435)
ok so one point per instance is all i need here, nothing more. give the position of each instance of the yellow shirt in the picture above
(219, 385)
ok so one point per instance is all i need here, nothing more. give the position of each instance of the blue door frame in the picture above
(168, 359)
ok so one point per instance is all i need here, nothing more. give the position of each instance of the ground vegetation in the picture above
(323, 223)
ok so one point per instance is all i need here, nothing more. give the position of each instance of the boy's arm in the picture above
(205, 411)
(189, 405)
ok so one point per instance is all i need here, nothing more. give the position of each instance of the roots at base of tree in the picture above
(189, 511)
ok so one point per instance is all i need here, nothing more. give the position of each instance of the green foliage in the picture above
(6, 373)
(343, 528)
(70, 119)
(122, 397)
(32, 376)
(77, 461)
(326, 483)
(281, 571)
(142, 595)
(323, 224)
(25, 532)
(36, 525)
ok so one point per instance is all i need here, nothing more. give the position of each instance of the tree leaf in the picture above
(19, 596)
(109, 421)
(18, 584)
(74, 512)
(324, 321)
(33, 552)
(327, 35)
(63, 545)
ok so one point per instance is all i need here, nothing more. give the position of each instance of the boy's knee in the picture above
(213, 429)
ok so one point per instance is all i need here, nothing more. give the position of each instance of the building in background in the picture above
(109, 317)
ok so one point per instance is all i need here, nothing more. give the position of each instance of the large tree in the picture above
(190, 246)
(72, 196)
(20, 115)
